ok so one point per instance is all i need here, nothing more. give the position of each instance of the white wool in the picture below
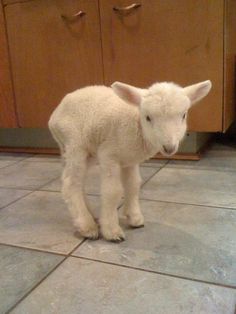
(96, 118)
(121, 126)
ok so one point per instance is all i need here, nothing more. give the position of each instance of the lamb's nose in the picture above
(169, 149)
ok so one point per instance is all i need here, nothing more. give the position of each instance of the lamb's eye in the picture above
(148, 118)
(184, 116)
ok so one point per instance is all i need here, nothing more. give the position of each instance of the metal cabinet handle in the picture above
(73, 17)
(127, 9)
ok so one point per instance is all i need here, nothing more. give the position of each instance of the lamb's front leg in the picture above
(131, 182)
(111, 190)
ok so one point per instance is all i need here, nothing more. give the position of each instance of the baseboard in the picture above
(40, 141)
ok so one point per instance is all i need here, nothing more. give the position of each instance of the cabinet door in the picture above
(51, 55)
(167, 40)
(7, 109)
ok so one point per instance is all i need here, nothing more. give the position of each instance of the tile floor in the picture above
(182, 261)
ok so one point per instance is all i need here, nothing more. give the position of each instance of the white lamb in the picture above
(120, 126)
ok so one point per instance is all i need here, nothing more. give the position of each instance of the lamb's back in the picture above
(92, 114)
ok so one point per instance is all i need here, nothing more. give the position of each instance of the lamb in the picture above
(121, 126)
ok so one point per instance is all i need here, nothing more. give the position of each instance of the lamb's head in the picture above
(163, 110)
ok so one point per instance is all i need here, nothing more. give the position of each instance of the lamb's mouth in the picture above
(168, 150)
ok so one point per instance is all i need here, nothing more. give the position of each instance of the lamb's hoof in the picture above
(115, 234)
(89, 231)
(92, 233)
(118, 240)
(136, 221)
(138, 226)
(93, 236)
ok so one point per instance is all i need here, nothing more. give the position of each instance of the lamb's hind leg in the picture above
(73, 183)
(131, 182)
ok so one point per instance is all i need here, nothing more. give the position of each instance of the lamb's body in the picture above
(120, 126)
(95, 118)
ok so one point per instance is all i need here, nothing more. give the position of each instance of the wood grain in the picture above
(50, 56)
(7, 109)
(180, 41)
(6, 2)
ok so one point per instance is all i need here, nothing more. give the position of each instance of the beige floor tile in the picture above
(20, 271)
(190, 241)
(8, 196)
(29, 175)
(82, 286)
(192, 186)
(40, 221)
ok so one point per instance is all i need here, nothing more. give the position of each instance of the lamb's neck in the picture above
(148, 149)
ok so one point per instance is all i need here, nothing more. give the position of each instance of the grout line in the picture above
(40, 161)
(45, 251)
(157, 272)
(50, 191)
(38, 188)
(158, 170)
(36, 285)
(26, 157)
(58, 191)
(122, 200)
(30, 192)
(46, 276)
(93, 194)
(15, 188)
(149, 178)
(152, 164)
(74, 249)
(50, 181)
(24, 188)
(215, 168)
(155, 200)
(168, 162)
(33, 249)
(12, 163)
(27, 194)
(192, 204)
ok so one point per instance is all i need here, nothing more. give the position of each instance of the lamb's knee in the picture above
(71, 188)
(66, 188)
(112, 190)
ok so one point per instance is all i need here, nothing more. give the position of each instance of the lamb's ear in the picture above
(128, 93)
(197, 91)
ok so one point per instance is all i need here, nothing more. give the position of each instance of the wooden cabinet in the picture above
(180, 41)
(184, 41)
(51, 55)
(7, 105)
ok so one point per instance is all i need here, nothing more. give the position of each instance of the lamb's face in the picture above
(163, 110)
